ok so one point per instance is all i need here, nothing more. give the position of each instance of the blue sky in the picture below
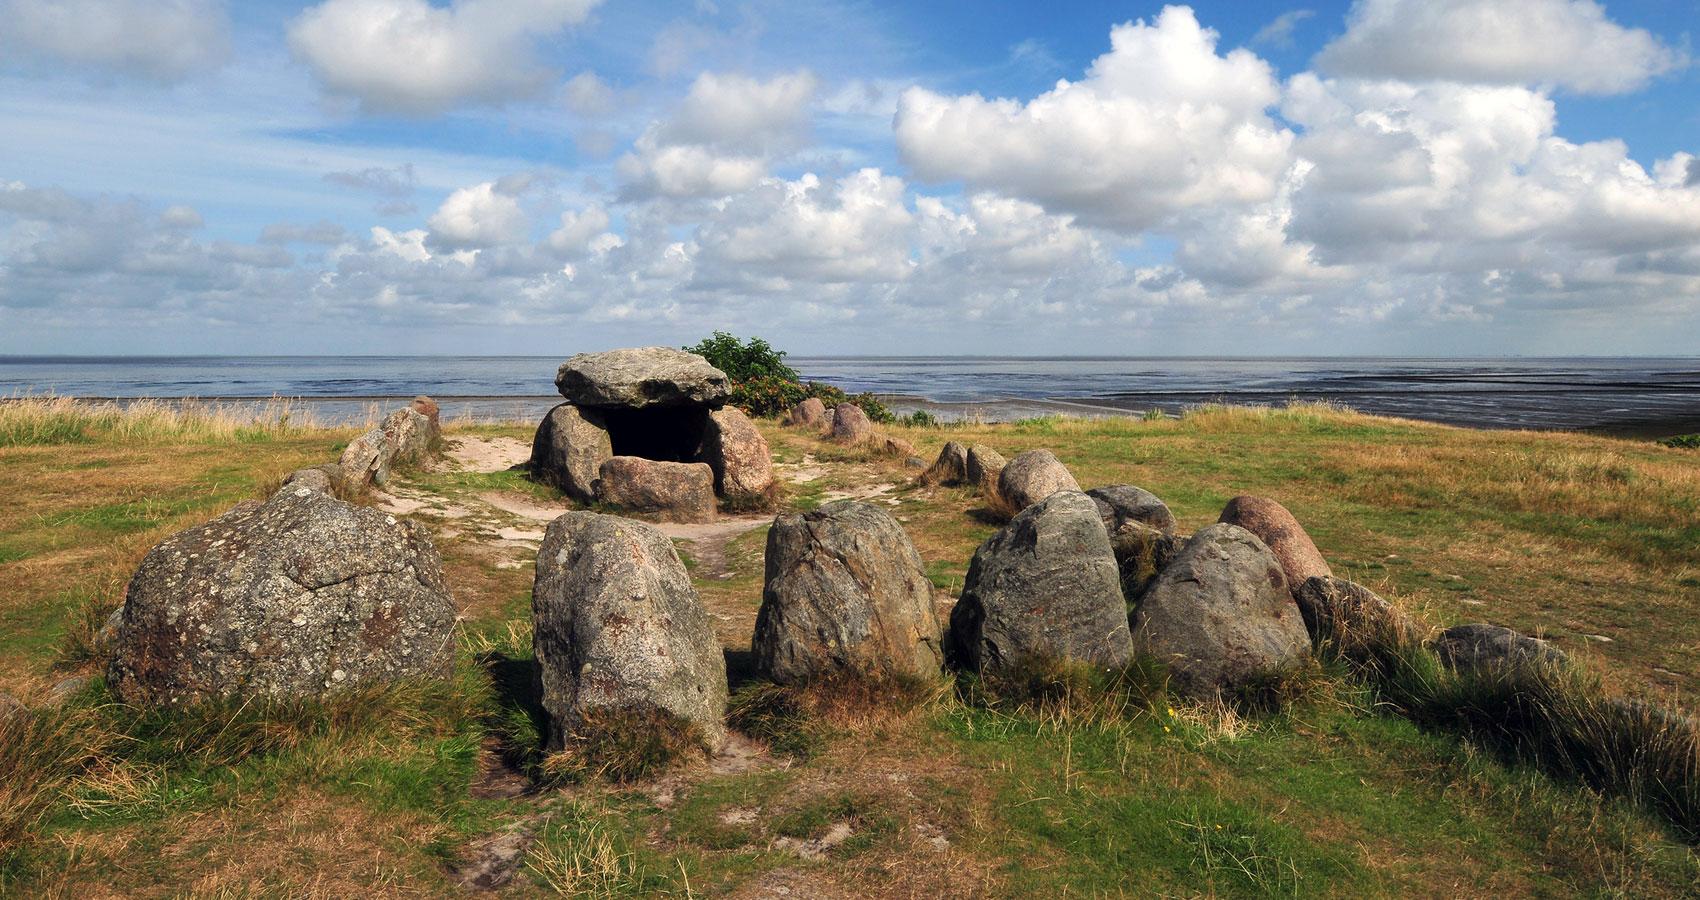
(551, 176)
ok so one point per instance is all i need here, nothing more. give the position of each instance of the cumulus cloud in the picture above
(182, 216)
(482, 215)
(413, 58)
(1159, 125)
(1565, 43)
(581, 232)
(588, 95)
(855, 228)
(721, 137)
(1279, 32)
(164, 40)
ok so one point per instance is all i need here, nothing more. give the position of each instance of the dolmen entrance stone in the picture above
(845, 591)
(1283, 534)
(1220, 613)
(673, 492)
(1045, 587)
(299, 596)
(618, 626)
(1031, 477)
(653, 403)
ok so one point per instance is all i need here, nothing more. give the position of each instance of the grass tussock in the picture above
(47, 419)
(798, 720)
(623, 745)
(1067, 691)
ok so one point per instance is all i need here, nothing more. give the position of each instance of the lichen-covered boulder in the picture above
(1045, 587)
(734, 448)
(295, 597)
(640, 377)
(1033, 476)
(810, 413)
(317, 478)
(403, 438)
(428, 408)
(845, 591)
(1480, 645)
(1277, 528)
(617, 625)
(950, 467)
(569, 448)
(850, 425)
(1220, 613)
(1119, 504)
(1352, 617)
(672, 492)
(983, 468)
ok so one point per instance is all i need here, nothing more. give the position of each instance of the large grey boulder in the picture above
(1480, 645)
(984, 467)
(1220, 613)
(640, 377)
(318, 478)
(672, 492)
(1045, 586)
(845, 591)
(1033, 476)
(1276, 527)
(734, 448)
(951, 466)
(850, 425)
(811, 413)
(1119, 504)
(569, 448)
(618, 626)
(402, 439)
(298, 596)
(1355, 619)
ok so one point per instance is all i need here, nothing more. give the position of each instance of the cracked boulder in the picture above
(299, 596)
(402, 439)
(734, 448)
(569, 448)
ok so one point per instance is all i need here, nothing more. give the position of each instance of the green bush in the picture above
(742, 361)
(1683, 441)
(920, 418)
(763, 386)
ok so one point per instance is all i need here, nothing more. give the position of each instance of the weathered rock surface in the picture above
(734, 448)
(810, 412)
(1045, 586)
(894, 446)
(1355, 618)
(317, 478)
(569, 448)
(1220, 613)
(618, 626)
(983, 468)
(1033, 476)
(428, 408)
(914, 462)
(403, 438)
(850, 424)
(299, 596)
(950, 467)
(1276, 527)
(639, 377)
(1480, 645)
(66, 688)
(845, 590)
(673, 492)
(1122, 503)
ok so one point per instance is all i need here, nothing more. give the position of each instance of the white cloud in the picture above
(165, 40)
(413, 58)
(1566, 43)
(721, 137)
(853, 229)
(588, 95)
(182, 216)
(1279, 32)
(581, 232)
(476, 217)
(1160, 124)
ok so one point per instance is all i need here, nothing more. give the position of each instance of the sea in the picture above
(1646, 396)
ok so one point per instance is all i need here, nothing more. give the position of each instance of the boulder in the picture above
(672, 492)
(569, 448)
(892, 446)
(809, 413)
(316, 479)
(950, 467)
(1277, 528)
(850, 424)
(618, 626)
(914, 462)
(1479, 645)
(1122, 503)
(428, 408)
(641, 377)
(66, 688)
(1033, 476)
(403, 438)
(299, 596)
(1220, 613)
(734, 448)
(845, 591)
(984, 467)
(1044, 587)
(1353, 617)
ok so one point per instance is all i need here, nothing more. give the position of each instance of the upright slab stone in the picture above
(951, 466)
(641, 377)
(569, 449)
(403, 438)
(984, 467)
(298, 596)
(1045, 586)
(673, 492)
(617, 625)
(734, 448)
(845, 591)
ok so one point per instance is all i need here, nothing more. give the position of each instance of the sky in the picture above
(491, 177)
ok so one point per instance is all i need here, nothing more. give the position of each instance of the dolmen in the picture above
(664, 409)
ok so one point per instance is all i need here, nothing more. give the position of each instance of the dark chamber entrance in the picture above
(661, 433)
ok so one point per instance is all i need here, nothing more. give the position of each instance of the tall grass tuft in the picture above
(797, 719)
(48, 419)
(1068, 691)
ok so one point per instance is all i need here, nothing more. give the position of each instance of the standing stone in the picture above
(1044, 587)
(1122, 503)
(403, 438)
(1276, 527)
(296, 597)
(1033, 476)
(734, 448)
(428, 408)
(1220, 613)
(850, 424)
(618, 626)
(569, 449)
(1480, 645)
(984, 467)
(641, 377)
(845, 591)
(810, 412)
(673, 492)
(950, 467)
(1354, 618)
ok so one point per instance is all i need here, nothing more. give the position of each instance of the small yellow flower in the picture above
(1165, 728)
(1171, 710)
